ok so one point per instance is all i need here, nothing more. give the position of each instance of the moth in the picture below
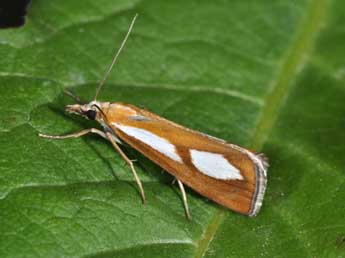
(230, 175)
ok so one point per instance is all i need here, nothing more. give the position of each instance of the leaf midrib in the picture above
(291, 64)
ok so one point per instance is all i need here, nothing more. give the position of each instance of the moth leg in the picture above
(184, 199)
(129, 162)
(75, 135)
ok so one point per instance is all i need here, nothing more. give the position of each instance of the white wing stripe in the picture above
(158, 143)
(214, 165)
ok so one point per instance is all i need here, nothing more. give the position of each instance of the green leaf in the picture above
(268, 75)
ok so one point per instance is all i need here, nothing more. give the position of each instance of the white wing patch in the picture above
(214, 165)
(158, 143)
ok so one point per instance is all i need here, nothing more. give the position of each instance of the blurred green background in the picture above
(268, 75)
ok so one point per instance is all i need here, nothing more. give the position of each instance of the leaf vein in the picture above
(291, 64)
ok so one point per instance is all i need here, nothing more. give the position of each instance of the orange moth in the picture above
(228, 174)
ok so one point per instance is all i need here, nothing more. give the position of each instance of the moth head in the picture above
(91, 111)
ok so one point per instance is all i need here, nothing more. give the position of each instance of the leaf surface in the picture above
(268, 75)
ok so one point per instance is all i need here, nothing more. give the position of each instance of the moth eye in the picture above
(91, 114)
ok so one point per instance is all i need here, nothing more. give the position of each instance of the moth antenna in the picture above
(76, 98)
(115, 58)
(104, 116)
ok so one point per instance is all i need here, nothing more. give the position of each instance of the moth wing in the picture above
(225, 173)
